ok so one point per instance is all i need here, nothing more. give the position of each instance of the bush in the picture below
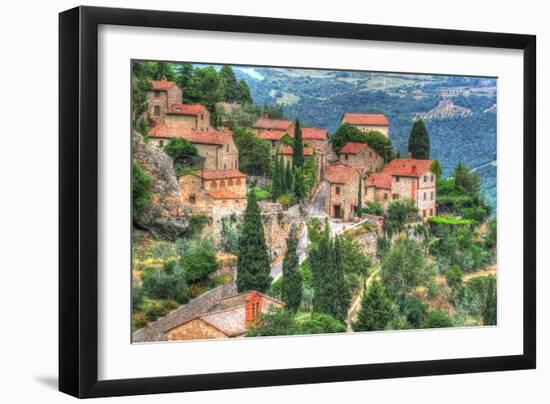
(261, 194)
(139, 320)
(285, 200)
(137, 296)
(399, 213)
(454, 276)
(200, 261)
(153, 309)
(276, 322)
(320, 323)
(195, 226)
(166, 283)
(414, 310)
(438, 319)
(142, 189)
(180, 148)
(373, 208)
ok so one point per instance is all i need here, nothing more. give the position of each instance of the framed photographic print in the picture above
(250, 202)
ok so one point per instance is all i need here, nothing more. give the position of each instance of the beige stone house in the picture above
(219, 313)
(214, 188)
(216, 147)
(317, 139)
(405, 179)
(163, 95)
(286, 153)
(192, 116)
(272, 129)
(344, 182)
(361, 157)
(367, 122)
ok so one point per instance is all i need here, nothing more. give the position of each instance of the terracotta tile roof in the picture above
(287, 150)
(314, 134)
(187, 109)
(194, 136)
(339, 173)
(408, 167)
(365, 119)
(224, 194)
(379, 180)
(273, 124)
(231, 321)
(271, 135)
(162, 85)
(219, 174)
(353, 148)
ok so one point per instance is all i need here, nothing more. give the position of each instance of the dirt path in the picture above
(490, 270)
(356, 300)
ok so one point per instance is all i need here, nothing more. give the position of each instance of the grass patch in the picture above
(450, 220)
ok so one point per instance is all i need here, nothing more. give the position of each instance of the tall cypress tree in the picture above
(230, 85)
(319, 258)
(253, 265)
(298, 149)
(338, 287)
(292, 280)
(299, 185)
(419, 141)
(360, 199)
(276, 179)
(376, 309)
(288, 180)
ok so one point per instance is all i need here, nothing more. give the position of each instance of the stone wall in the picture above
(259, 181)
(368, 241)
(186, 121)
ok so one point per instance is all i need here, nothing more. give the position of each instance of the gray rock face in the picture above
(164, 218)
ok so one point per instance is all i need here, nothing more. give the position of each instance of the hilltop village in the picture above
(347, 195)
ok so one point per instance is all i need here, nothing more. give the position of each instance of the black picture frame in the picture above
(78, 201)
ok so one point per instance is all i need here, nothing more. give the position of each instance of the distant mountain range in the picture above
(460, 112)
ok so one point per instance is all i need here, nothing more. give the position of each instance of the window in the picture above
(431, 212)
(346, 156)
(161, 143)
(157, 110)
(424, 212)
(425, 178)
(395, 196)
(337, 190)
(238, 182)
(432, 195)
(432, 178)
(230, 182)
(396, 179)
(425, 196)
(224, 166)
(370, 154)
(202, 117)
(385, 196)
(214, 184)
(157, 94)
(222, 183)
(227, 148)
(192, 198)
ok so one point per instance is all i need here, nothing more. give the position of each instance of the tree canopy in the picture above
(254, 152)
(292, 280)
(419, 141)
(376, 309)
(376, 140)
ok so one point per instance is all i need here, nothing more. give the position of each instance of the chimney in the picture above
(409, 155)
(266, 115)
(414, 169)
(253, 308)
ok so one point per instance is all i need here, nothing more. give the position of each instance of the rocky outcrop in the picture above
(445, 109)
(164, 218)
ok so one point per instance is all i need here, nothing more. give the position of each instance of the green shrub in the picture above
(180, 148)
(142, 189)
(200, 261)
(413, 309)
(285, 200)
(438, 319)
(139, 320)
(373, 208)
(153, 309)
(454, 276)
(320, 323)
(166, 283)
(261, 194)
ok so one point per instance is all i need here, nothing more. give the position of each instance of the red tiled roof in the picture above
(407, 167)
(273, 124)
(271, 135)
(219, 174)
(365, 119)
(162, 85)
(231, 321)
(353, 148)
(379, 180)
(224, 194)
(314, 134)
(187, 109)
(339, 173)
(194, 136)
(287, 150)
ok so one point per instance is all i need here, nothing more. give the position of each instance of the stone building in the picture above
(317, 139)
(272, 129)
(192, 116)
(362, 157)
(163, 95)
(367, 122)
(286, 153)
(213, 188)
(344, 184)
(405, 179)
(219, 313)
(216, 147)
